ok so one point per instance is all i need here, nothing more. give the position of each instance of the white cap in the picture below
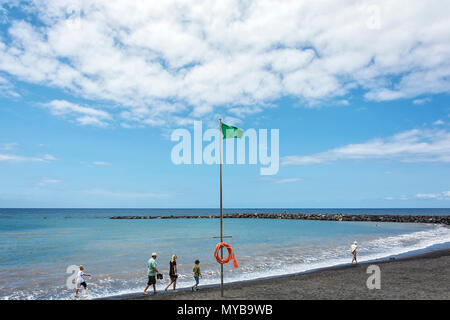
(153, 254)
(355, 242)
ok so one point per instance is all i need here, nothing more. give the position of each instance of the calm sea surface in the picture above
(38, 245)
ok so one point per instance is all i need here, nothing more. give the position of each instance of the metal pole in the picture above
(221, 210)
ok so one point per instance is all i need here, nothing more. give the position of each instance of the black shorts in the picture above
(151, 280)
(82, 284)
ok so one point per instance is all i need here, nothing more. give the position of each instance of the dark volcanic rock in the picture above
(302, 216)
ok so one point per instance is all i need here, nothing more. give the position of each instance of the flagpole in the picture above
(221, 209)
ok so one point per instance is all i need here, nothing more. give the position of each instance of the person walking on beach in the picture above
(197, 274)
(353, 248)
(151, 273)
(81, 282)
(173, 273)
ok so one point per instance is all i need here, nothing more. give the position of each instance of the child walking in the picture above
(81, 281)
(353, 248)
(197, 274)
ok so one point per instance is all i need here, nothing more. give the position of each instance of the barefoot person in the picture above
(151, 273)
(81, 282)
(197, 274)
(353, 248)
(173, 273)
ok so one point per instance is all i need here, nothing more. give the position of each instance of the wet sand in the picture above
(424, 276)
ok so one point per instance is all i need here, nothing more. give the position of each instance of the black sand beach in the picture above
(423, 276)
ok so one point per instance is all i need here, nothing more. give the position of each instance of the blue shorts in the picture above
(197, 280)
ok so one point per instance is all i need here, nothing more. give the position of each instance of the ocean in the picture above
(38, 246)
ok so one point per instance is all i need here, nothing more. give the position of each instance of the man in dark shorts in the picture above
(151, 273)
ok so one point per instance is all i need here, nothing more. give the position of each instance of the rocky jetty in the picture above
(311, 216)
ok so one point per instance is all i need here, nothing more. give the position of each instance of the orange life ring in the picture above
(230, 254)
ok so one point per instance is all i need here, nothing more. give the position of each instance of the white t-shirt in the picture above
(80, 278)
(353, 247)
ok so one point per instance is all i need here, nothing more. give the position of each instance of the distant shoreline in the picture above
(445, 220)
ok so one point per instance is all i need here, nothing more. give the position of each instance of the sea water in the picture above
(38, 245)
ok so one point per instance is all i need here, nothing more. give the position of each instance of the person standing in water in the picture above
(151, 273)
(81, 282)
(173, 273)
(353, 248)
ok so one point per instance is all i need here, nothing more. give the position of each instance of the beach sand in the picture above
(424, 276)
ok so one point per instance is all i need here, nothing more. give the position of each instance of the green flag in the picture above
(231, 132)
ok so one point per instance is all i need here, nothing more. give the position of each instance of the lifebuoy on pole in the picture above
(230, 254)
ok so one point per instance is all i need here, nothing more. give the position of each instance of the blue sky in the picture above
(88, 102)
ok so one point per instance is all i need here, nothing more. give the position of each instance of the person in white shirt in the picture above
(353, 248)
(81, 281)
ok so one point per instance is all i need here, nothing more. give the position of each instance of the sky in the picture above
(91, 91)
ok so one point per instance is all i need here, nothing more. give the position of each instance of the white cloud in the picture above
(101, 163)
(445, 195)
(438, 122)
(48, 181)
(82, 115)
(17, 158)
(408, 146)
(281, 180)
(402, 198)
(163, 61)
(7, 89)
(7, 146)
(421, 101)
(343, 102)
(48, 157)
(109, 193)
(287, 180)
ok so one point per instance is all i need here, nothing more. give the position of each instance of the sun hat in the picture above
(154, 254)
